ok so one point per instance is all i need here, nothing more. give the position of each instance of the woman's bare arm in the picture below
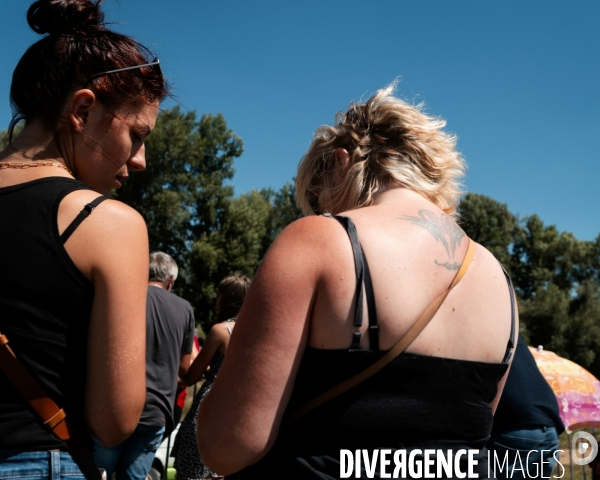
(111, 249)
(239, 420)
(214, 340)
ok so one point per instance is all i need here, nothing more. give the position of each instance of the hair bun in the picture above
(64, 16)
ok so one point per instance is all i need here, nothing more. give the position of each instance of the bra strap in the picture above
(396, 350)
(81, 217)
(371, 308)
(363, 275)
(359, 266)
(511, 341)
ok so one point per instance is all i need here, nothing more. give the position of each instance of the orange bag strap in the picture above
(53, 417)
(402, 344)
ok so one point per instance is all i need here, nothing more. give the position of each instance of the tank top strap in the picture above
(231, 320)
(511, 341)
(363, 277)
(87, 209)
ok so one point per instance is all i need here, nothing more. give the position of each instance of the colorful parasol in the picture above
(576, 389)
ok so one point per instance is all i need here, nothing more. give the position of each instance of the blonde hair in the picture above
(388, 140)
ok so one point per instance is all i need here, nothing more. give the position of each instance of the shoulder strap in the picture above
(371, 307)
(80, 218)
(360, 272)
(396, 350)
(511, 341)
(52, 415)
(363, 276)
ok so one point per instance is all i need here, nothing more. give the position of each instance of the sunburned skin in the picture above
(444, 229)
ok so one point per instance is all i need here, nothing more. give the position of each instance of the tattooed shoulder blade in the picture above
(443, 229)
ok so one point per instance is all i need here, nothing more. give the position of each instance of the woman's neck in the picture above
(394, 193)
(33, 143)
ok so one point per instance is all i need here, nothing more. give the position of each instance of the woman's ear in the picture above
(79, 108)
(342, 162)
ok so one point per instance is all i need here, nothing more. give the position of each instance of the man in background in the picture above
(169, 341)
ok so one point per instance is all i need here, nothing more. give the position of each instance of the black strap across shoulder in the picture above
(363, 276)
(512, 340)
(81, 217)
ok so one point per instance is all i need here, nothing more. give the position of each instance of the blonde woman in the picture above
(332, 298)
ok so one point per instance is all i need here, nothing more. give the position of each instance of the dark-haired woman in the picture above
(230, 296)
(72, 289)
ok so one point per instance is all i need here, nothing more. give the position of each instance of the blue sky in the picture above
(517, 81)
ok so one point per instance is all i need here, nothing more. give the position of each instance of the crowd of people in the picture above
(372, 323)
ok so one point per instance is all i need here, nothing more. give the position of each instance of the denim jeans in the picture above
(132, 458)
(52, 465)
(526, 446)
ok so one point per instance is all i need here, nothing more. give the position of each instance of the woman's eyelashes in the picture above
(136, 138)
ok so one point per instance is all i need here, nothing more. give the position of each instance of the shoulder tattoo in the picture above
(444, 230)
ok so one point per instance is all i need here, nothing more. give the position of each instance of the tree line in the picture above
(191, 211)
(555, 275)
(192, 214)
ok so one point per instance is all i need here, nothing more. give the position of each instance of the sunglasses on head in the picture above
(155, 64)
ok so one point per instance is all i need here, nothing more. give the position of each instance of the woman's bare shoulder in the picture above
(111, 237)
(76, 201)
(489, 263)
(310, 232)
(310, 225)
(219, 330)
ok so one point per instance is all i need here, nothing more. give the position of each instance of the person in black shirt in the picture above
(75, 269)
(527, 423)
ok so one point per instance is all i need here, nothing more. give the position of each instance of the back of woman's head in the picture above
(388, 140)
(75, 47)
(230, 296)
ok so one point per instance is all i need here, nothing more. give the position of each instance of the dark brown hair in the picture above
(230, 296)
(76, 46)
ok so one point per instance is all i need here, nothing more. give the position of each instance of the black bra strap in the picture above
(363, 275)
(511, 341)
(80, 218)
(372, 310)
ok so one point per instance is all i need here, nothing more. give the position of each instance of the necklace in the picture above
(23, 166)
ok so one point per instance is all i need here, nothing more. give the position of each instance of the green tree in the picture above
(556, 277)
(234, 246)
(542, 256)
(559, 291)
(283, 212)
(3, 139)
(183, 194)
(4, 135)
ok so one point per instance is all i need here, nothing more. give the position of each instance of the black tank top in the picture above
(416, 401)
(45, 304)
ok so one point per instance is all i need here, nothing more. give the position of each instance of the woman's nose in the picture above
(137, 162)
